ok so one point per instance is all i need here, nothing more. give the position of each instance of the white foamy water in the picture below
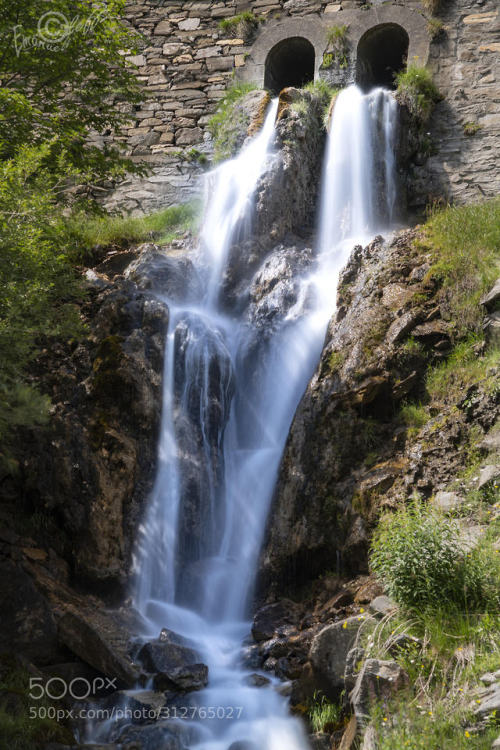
(206, 599)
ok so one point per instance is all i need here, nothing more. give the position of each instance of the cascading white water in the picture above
(238, 454)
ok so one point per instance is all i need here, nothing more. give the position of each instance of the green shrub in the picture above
(419, 556)
(449, 380)
(416, 90)
(414, 415)
(336, 37)
(435, 27)
(471, 128)
(323, 715)
(244, 24)
(225, 125)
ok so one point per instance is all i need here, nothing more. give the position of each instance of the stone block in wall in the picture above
(188, 136)
(138, 60)
(173, 48)
(189, 24)
(220, 63)
(208, 52)
(164, 28)
(167, 137)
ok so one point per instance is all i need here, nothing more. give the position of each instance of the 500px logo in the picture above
(54, 30)
(79, 688)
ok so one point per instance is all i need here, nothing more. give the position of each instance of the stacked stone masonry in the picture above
(186, 62)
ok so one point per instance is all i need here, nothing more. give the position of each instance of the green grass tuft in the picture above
(323, 715)
(465, 246)
(416, 90)
(123, 231)
(450, 379)
(224, 125)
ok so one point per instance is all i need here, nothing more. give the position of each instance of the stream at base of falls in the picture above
(238, 417)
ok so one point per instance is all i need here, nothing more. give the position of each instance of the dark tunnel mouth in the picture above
(382, 52)
(289, 63)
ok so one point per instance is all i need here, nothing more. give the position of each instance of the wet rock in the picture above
(243, 745)
(28, 625)
(329, 651)
(287, 195)
(173, 665)
(271, 618)
(152, 737)
(377, 680)
(102, 641)
(257, 680)
(157, 270)
(320, 741)
(251, 657)
(91, 468)
(115, 263)
(187, 678)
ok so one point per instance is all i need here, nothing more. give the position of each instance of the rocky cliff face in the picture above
(348, 450)
(83, 480)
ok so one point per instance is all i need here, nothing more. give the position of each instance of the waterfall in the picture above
(224, 428)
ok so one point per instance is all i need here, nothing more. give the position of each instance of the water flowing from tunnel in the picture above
(228, 403)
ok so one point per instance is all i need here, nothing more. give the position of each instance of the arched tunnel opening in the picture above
(289, 63)
(382, 52)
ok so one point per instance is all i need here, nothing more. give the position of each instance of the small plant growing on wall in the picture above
(471, 128)
(435, 27)
(244, 25)
(417, 91)
(431, 6)
(338, 47)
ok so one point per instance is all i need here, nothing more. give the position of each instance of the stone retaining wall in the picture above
(187, 61)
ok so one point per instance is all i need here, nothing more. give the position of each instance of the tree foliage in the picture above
(63, 75)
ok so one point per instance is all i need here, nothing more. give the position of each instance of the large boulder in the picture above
(329, 650)
(28, 625)
(272, 618)
(174, 665)
(376, 680)
(103, 641)
(158, 270)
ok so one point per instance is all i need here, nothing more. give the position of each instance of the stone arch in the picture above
(311, 30)
(291, 62)
(382, 52)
